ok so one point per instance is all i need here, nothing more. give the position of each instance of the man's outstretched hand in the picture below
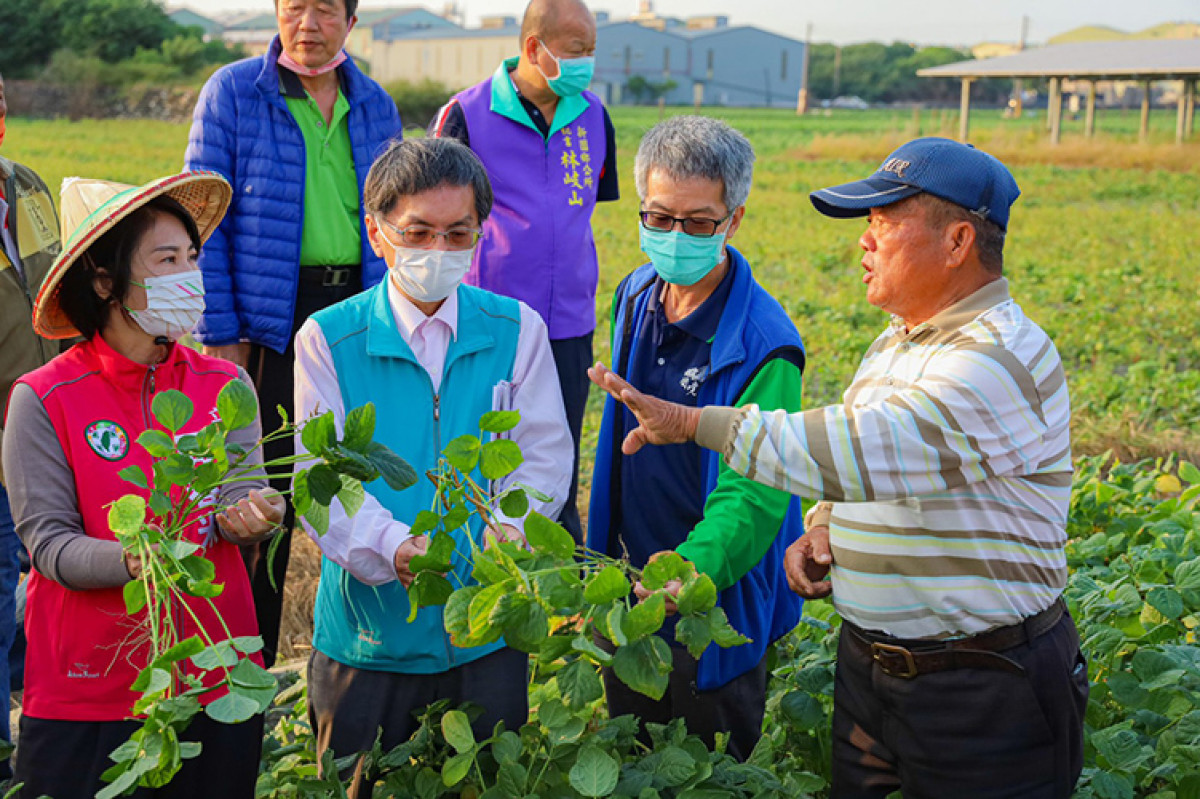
(660, 422)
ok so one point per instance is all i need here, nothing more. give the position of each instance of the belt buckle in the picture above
(335, 277)
(879, 651)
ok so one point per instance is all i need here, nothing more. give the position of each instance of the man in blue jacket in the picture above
(694, 327)
(295, 132)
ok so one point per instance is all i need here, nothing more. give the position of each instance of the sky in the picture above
(949, 22)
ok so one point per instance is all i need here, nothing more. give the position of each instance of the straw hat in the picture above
(90, 208)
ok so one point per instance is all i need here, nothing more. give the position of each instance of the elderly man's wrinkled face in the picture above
(313, 32)
(904, 260)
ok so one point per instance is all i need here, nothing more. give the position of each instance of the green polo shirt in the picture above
(332, 234)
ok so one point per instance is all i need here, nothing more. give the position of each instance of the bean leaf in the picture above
(427, 589)
(605, 586)
(359, 428)
(237, 406)
(549, 538)
(644, 666)
(595, 772)
(172, 409)
(127, 514)
(499, 421)
(500, 458)
(457, 730)
(463, 453)
(395, 471)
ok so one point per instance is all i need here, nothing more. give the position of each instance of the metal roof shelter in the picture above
(1143, 60)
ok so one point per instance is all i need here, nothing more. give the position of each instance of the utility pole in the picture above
(802, 100)
(837, 71)
(1018, 84)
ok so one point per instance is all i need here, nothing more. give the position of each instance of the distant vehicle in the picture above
(852, 103)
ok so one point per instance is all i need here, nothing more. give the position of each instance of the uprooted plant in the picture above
(186, 663)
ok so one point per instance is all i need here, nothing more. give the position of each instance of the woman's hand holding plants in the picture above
(254, 516)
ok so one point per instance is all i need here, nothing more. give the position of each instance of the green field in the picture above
(1102, 247)
(1102, 252)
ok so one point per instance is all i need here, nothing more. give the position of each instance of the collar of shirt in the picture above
(411, 320)
(291, 86)
(960, 313)
(701, 323)
(428, 337)
(507, 101)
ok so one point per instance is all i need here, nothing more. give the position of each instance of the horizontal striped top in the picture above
(949, 465)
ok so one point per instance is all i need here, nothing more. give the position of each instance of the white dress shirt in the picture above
(366, 543)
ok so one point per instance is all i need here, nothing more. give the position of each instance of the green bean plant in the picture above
(570, 608)
(184, 661)
(573, 611)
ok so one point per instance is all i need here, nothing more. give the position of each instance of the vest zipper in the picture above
(437, 448)
(147, 393)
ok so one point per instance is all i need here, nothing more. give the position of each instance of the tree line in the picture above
(121, 40)
(887, 73)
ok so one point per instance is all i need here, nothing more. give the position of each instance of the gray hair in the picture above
(989, 237)
(697, 147)
(413, 166)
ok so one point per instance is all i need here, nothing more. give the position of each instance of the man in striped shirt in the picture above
(945, 478)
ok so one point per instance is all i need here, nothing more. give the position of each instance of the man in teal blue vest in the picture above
(433, 355)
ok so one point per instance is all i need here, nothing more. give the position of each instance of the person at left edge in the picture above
(29, 243)
(551, 154)
(694, 326)
(295, 132)
(127, 282)
(434, 356)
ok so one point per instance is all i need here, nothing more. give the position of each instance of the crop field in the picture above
(1102, 247)
(1103, 251)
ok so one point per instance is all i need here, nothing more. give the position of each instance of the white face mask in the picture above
(430, 275)
(173, 304)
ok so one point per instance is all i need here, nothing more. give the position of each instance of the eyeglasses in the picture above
(692, 226)
(422, 237)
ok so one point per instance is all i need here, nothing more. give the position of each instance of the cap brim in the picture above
(204, 195)
(858, 198)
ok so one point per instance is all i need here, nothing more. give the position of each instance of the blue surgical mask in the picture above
(679, 258)
(574, 74)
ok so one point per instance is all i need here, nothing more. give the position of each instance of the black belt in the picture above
(907, 658)
(329, 276)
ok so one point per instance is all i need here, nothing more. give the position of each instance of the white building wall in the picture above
(456, 63)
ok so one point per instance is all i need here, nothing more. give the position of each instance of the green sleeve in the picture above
(742, 517)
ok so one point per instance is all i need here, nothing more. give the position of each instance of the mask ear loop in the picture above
(556, 59)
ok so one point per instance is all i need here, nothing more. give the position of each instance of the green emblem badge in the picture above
(107, 440)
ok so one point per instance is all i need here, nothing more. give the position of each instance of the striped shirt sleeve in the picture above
(974, 414)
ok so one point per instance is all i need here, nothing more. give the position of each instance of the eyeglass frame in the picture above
(682, 221)
(437, 234)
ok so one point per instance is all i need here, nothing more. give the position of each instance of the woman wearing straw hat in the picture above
(127, 282)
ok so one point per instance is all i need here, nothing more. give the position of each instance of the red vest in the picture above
(84, 650)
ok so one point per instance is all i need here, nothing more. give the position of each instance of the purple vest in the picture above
(537, 245)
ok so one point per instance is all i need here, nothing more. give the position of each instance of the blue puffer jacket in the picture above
(242, 128)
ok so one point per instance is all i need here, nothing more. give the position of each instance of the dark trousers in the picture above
(64, 759)
(10, 575)
(974, 732)
(735, 708)
(572, 357)
(348, 707)
(273, 375)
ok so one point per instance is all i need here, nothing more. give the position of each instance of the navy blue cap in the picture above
(942, 167)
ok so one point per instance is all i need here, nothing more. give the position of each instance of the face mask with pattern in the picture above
(173, 304)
